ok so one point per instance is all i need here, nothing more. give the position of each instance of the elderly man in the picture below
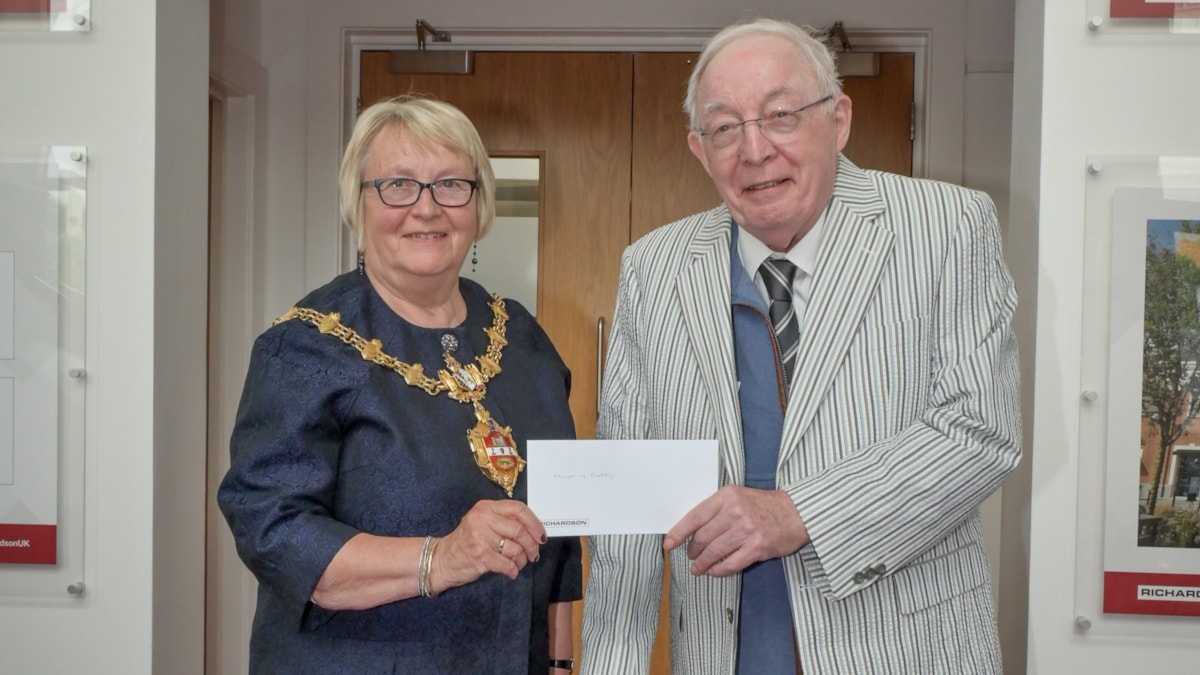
(845, 335)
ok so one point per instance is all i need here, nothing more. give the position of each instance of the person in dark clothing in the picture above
(375, 487)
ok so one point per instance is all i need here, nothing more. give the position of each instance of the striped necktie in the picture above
(777, 275)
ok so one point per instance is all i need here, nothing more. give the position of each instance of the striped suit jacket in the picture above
(903, 417)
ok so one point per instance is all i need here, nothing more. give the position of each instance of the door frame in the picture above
(237, 151)
(357, 40)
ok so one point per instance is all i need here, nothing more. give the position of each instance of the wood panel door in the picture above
(613, 138)
(882, 129)
(668, 181)
(572, 110)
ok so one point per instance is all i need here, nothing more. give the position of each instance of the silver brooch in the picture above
(449, 343)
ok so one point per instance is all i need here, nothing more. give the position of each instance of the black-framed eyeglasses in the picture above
(399, 191)
(776, 125)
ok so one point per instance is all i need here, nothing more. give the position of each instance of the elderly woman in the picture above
(375, 489)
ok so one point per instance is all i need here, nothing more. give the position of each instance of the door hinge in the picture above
(912, 121)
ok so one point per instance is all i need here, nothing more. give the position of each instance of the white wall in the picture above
(133, 91)
(1021, 252)
(180, 337)
(1080, 93)
(987, 94)
(238, 264)
(987, 118)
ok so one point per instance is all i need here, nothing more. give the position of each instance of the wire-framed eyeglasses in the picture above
(776, 125)
(399, 191)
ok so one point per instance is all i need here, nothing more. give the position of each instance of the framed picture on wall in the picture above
(1152, 477)
(43, 369)
(46, 15)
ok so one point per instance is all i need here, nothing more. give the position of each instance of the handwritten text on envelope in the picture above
(618, 487)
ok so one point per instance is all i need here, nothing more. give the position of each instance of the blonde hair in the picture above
(807, 40)
(429, 123)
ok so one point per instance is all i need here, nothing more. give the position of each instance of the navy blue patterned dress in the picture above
(327, 445)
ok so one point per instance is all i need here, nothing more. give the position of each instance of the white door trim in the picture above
(236, 299)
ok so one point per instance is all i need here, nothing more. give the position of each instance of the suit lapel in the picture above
(853, 255)
(704, 292)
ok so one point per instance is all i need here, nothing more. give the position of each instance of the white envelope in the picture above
(588, 487)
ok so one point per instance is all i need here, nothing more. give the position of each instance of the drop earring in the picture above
(362, 266)
(474, 255)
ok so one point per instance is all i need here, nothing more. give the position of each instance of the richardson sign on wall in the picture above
(1152, 477)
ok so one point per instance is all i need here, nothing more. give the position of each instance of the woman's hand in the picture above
(500, 536)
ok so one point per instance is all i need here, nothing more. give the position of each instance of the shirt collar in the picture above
(803, 254)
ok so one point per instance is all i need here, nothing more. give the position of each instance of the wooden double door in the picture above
(612, 138)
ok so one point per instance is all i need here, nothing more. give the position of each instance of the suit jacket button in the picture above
(881, 569)
(729, 615)
(859, 577)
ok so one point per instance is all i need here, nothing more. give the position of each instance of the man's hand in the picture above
(736, 527)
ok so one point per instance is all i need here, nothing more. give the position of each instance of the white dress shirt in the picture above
(803, 255)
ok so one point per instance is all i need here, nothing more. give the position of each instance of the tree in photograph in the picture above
(1171, 348)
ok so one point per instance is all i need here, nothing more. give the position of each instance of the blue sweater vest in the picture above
(765, 628)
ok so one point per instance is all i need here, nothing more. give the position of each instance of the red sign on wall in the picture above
(32, 6)
(1150, 593)
(1152, 9)
(28, 544)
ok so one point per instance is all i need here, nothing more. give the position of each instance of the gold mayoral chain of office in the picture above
(493, 445)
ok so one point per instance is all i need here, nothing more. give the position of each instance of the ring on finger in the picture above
(501, 547)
